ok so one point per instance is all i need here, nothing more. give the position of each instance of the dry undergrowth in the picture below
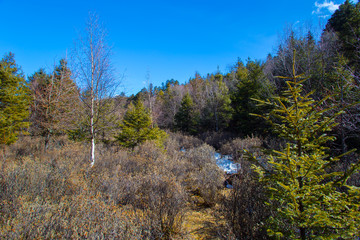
(203, 222)
(140, 194)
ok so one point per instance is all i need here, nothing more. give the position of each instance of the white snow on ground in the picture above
(226, 164)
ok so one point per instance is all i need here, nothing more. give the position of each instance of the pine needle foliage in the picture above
(185, 118)
(136, 127)
(14, 101)
(309, 199)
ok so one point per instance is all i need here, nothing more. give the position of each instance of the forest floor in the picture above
(203, 222)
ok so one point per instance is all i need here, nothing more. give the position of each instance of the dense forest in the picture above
(80, 161)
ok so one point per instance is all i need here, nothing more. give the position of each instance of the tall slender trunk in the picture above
(92, 134)
(92, 96)
(92, 131)
(92, 151)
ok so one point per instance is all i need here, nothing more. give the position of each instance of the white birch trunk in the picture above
(92, 96)
(92, 132)
(92, 152)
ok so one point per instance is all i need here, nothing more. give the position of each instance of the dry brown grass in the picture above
(205, 223)
(139, 194)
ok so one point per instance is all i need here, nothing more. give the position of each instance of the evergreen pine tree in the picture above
(217, 111)
(185, 117)
(136, 127)
(309, 199)
(14, 101)
(252, 83)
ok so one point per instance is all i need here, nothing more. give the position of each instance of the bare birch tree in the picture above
(95, 76)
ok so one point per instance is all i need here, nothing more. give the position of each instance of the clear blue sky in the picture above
(168, 39)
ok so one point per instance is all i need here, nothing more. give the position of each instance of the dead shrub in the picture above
(139, 194)
(25, 146)
(236, 146)
(183, 141)
(163, 200)
(245, 209)
(204, 177)
(216, 139)
(80, 217)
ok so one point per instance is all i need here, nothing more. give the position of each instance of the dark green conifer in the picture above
(217, 111)
(14, 101)
(252, 83)
(136, 127)
(185, 117)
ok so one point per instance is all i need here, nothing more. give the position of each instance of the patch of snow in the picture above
(226, 164)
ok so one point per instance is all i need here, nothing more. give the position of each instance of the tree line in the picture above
(216, 102)
(223, 101)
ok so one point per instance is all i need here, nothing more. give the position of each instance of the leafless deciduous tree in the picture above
(55, 101)
(95, 76)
